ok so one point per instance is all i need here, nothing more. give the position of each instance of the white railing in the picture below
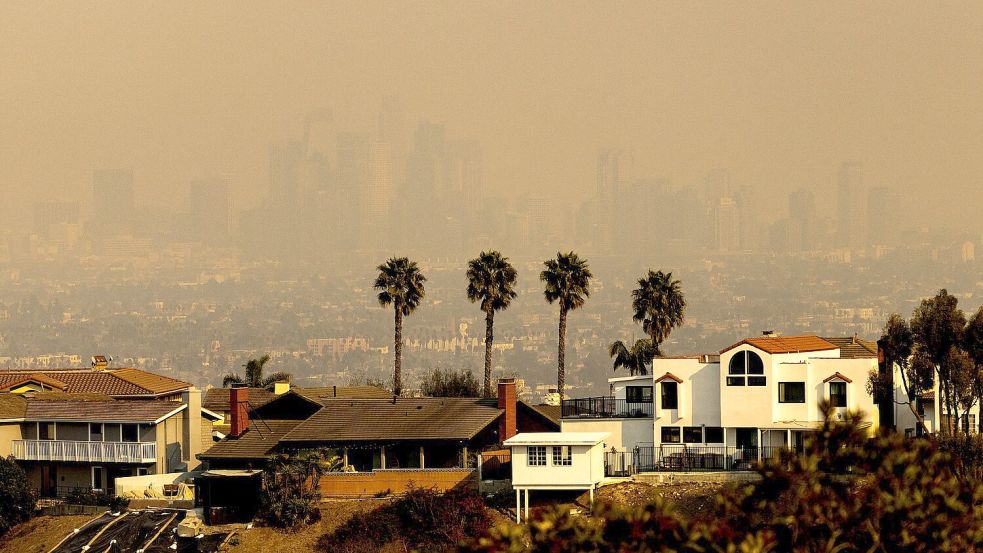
(84, 452)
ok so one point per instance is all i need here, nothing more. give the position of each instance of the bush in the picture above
(845, 493)
(449, 383)
(966, 452)
(424, 519)
(87, 496)
(291, 491)
(17, 499)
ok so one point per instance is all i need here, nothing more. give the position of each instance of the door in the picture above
(49, 481)
(747, 444)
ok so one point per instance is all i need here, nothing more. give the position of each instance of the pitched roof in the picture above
(358, 392)
(351, 420)
(670, 376)
(836, 376)
(217, 399)
(112, 382)
(257, 442)
(40, 378)
(552, 412)
(101, 411)
(785, 344)
(12, 406)
(854, 348)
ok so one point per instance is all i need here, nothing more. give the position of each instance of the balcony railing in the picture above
(605, 407)
(84, 452)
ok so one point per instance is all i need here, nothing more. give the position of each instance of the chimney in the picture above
(506, 402)
(239, 410)
(280, 388)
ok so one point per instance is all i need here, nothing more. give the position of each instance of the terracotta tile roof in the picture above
(100, 411)
(217, 399)
(40, 378)
(854, 348)
(256, 443)
(836, 376)
(785, 344)
(669, 376)
(352, 420)
(112, 382)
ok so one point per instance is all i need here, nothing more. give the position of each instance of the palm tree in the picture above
(254, 375)
(491, 281)
(659, 305)
(634, 358)
(400, 284)
(567, 280)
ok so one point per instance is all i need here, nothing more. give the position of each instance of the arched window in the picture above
(746, 363)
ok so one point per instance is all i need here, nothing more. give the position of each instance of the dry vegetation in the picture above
(40, 534)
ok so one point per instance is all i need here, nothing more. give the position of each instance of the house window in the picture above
(95, 432)
(638, 394)
(713, 434)
(131, 433)
(537, 456)
(969, 423)
(735, 380)
(142, 471)
(756, 381)
(692, 435)
(837, 394)
(97, 478)
(670, 435)
(46, 431)
(562, 456)
(670, 395)
(745, 363)
(791, 392)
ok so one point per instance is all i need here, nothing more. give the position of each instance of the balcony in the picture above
(84, 452)
(602, 407)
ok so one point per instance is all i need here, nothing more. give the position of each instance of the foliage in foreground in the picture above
(845, 493)
(291, 490)
(17, 498)
(424, 519)
(86, 496)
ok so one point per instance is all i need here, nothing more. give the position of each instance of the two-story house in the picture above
(759, 392)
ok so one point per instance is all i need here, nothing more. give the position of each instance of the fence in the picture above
(496, 465)
(605, 407)
(683, 458)
(383, 482)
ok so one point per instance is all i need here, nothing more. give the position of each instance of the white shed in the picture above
(556, 461)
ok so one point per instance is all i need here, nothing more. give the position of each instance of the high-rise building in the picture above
(286, 161)
(112, 202)
(883, 216)
(463, 176)
(614, 173)
(55, 220)
(727, 225)
(851, 206)
(802, 220)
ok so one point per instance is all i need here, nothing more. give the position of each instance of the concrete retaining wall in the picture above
(151, 481)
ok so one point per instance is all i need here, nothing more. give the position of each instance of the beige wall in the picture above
(8, 433)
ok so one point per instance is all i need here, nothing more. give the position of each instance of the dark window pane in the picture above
(738, 364)
(754, 364)
(692, 434)
(670, 434)
(735, 380)
(130, 433)
(837, 394)
(638, 394)
(670, 395)
(791, 392)
(756, 381)
(714, 435)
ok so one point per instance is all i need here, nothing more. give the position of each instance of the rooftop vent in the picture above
(770, 333)
(101, 362)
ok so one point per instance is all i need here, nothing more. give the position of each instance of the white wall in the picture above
(625, 434)
(154, 481)
(582, 473)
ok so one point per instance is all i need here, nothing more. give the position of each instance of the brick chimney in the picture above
(506, 402)
(239, 411)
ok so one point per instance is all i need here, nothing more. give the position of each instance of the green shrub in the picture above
(290, 494)
(18, 499)
(844, 493)
(88, 496)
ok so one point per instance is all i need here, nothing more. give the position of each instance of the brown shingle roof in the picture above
(349, 420)
(854, 348)
(357, 392)
(217, 399)
(12, 406)
(99, 411)
(785, 344)
(114, 382)
(257, 442)
(552, 412)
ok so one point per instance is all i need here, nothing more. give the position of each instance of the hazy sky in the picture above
(778, 93)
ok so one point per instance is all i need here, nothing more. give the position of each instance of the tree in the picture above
(897, 344)
(937, 326)
(17, 497)
(973, 344)
(491, 281)
(659, 305)
(634, 359)
(567, 280)
(291, 492)
(440, 383)
(401, 284)
(254, 375)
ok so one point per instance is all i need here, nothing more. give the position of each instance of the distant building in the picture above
(113, 207)
(851, 206)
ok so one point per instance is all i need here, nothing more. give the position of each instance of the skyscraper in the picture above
(380, 185)
(851, 206)
(614, 172)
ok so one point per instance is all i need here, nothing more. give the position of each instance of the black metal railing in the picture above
(604, 407)
(694, 458)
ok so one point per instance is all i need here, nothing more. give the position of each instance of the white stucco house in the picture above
(555, 461)
(751, 397)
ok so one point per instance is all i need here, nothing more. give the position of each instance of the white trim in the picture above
(213, 414)
(172, 413)
(92, 477)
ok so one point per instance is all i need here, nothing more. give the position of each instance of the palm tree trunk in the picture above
(489, 339)
(398, 349)
(656, 351)
(561, 353)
